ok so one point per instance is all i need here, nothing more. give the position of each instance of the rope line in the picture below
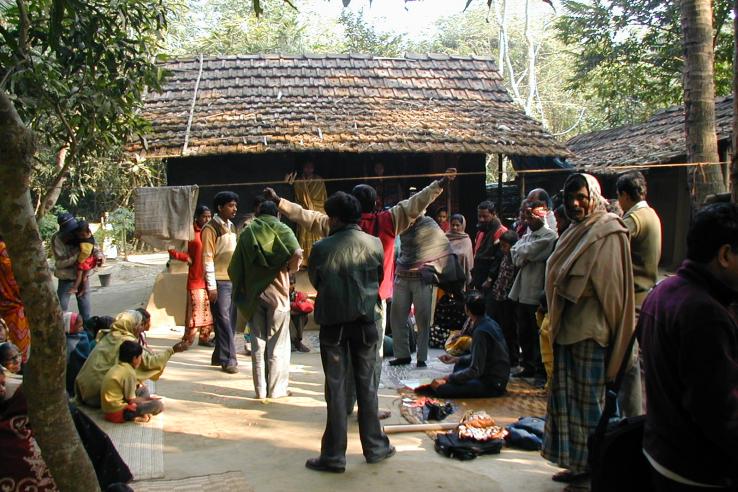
(472, 173)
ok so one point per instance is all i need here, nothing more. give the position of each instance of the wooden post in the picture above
(522, 186)
(499, 185)
(734, 140)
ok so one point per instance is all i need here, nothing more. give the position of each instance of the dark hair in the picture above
(439, 210)
(83, 225)
(542, 195)
(714, 226)
(268, 207)
(223, 197)
(128, 350)
(533, 203)
(487, 205)
(633, 184)
(574, 182)
(6, 348)
(144, 314)
(457, 217)
(344, 207)
(97, 323)
(201, 209)
(509, 236)
(474, 302)
(367, 197)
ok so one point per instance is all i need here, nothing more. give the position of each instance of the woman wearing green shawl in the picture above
(266, 253)
(127, 326)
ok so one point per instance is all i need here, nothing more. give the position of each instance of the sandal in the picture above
(567, 476)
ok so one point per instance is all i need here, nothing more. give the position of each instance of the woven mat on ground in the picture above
(230, 481)
(140, 445)
(521, 400)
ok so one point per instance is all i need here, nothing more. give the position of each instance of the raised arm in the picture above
(313, 221)
(405, 212)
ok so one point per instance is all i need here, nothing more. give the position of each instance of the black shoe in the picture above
(402, 361)
(229, 369)
(421, 364)
(206, 344)
(300, 347)
(389, 454)
(317, 465)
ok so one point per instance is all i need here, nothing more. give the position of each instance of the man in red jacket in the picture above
(385, 224)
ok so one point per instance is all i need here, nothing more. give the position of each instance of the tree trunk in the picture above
(44, 379)
(47, 202)
(699, 96)
(734, 153)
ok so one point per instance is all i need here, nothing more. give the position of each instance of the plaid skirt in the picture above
(575, 403)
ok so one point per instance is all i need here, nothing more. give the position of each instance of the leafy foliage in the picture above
(48, 225)
(629, 54)
(76, 72)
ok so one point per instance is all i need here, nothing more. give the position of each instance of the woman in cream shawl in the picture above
(461, 244)
(127, 326)
(589, 288)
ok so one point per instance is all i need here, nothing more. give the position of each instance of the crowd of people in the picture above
(555, 298)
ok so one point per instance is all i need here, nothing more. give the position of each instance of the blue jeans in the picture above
(224, 354)
(83, 301)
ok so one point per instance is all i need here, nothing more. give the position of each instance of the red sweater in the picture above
(381, 225)
(196, 274)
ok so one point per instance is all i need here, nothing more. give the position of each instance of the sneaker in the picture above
(402, 361)
(317, 465)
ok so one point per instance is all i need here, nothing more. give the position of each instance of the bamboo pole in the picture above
(398, 428)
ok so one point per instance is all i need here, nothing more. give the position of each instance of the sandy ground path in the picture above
(213, 423)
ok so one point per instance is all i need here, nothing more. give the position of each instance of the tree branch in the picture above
(23, 28)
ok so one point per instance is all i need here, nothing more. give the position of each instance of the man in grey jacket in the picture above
(529, 255)
(346, 269)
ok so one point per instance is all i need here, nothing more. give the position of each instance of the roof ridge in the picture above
(329, 56)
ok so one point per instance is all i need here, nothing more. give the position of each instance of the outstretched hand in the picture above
(291, 177)
(270, 194)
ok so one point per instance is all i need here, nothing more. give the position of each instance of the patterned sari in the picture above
(11, 305)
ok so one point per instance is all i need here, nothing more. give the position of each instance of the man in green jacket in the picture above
(644, 226)
(266, 253)
(346, 269)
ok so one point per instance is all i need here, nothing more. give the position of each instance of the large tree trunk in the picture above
(44, 379)
(734, 154)
(699, 96)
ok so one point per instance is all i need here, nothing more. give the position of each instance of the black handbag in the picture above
(616, 458)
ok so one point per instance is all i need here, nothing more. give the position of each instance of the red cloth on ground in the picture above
(196, 273)
(302, 304)
(381, 225)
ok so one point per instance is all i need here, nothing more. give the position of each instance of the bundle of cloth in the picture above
(526, 433)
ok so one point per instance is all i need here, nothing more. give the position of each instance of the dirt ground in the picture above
(213, 423)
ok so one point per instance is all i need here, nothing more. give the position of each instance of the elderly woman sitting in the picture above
(127, 326)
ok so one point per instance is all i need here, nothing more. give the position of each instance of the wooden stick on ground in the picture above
(440, 426)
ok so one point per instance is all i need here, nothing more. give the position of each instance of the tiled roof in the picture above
(344, 103)
(659, 140)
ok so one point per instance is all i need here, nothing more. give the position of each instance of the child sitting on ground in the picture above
(121, 397)
(300, 307)
(86, 261)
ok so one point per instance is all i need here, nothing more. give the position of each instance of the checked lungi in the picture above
(575, 403)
